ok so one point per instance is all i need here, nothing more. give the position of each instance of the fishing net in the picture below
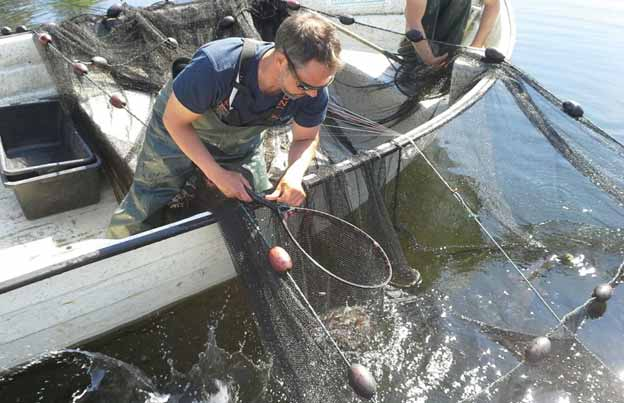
(510, 209)
(139, 47)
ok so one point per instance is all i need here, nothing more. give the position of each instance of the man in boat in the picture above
(213, 114)
(445, 21)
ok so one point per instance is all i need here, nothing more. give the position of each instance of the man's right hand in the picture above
(232, 184)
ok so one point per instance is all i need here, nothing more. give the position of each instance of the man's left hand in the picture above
(288, 191)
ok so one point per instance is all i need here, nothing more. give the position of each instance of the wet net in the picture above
(512, 211)
(130, 56)
(509, 208)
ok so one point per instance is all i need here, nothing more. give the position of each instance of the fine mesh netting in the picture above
(511, 215)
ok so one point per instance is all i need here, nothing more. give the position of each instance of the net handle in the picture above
(282, 210)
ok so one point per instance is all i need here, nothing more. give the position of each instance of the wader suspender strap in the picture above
(247, 54)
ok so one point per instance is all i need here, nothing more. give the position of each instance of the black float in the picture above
(573, 109)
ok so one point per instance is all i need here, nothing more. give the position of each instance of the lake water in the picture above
(574, 47)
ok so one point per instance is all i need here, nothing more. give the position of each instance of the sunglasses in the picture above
(302, 85)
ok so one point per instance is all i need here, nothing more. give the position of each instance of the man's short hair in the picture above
(306, 36)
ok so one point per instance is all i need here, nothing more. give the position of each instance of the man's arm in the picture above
(177, 120)
(289, 190)
(414, 13)
(491, 8)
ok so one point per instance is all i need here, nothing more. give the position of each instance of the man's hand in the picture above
(288, 191)
(437, 61)
(232, 184)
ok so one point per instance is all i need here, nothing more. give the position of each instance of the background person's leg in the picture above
(452, 21)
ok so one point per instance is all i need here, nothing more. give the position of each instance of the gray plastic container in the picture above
(39, 137)
(55, 192)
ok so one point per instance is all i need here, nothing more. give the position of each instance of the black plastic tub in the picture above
(55, 192)
(39, 137)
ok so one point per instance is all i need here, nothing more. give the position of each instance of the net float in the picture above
(596, 309)
(573, 109)
(603, 292)
(172, 42)
(21, 28)
(279, 259)
(80, 69)
(114, 11)
(44, 38)
(99, 61)
(493, 55)
(414, 35)
(362, 381)
(346, 20)
(227, 22)
(538, 349)
(6, 31)
(117, 101)
(293, 5)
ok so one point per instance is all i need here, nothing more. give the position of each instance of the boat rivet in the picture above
(117, 101)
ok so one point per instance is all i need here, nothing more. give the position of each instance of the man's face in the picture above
(306, 80)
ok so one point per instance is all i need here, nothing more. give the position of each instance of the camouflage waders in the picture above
(163, 169)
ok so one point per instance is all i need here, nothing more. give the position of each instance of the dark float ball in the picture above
(362, 381)
(21, 28)
(596, 309)
(538, 349)
(178, 65)
(414, 35)
(346, 20)
(573, 109)
(227, 22)
(114, 11)
(493, 55)
(280, 259)
(603, 292)
(6, 31)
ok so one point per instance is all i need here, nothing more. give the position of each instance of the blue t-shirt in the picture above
(208, 80)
